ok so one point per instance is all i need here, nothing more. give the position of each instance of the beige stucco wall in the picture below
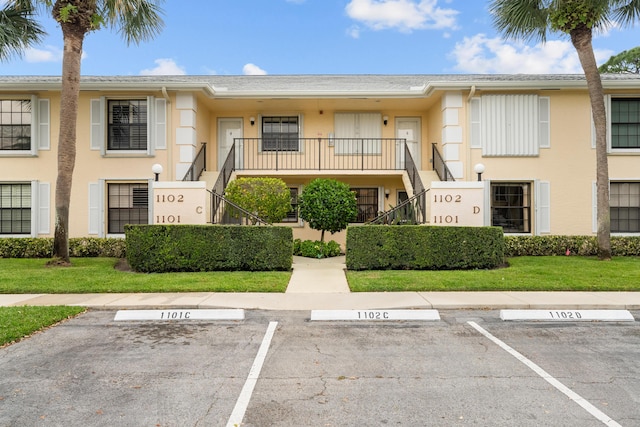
(569, 164)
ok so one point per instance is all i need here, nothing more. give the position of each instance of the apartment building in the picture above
(388, 136)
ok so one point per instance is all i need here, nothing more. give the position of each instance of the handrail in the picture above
(198, 165)
(227, 212)
(416, 181)
(440, 166)
(408, 212)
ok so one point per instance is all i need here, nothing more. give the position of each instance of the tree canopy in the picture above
(328, 205)
(625, 62)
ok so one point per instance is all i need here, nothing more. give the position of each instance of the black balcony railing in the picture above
(320, 154)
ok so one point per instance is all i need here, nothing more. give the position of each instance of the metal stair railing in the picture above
(198, 165)
(408, 212)
(440, 166)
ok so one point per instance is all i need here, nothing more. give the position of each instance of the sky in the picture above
(280, 37)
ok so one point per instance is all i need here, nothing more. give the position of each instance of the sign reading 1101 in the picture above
(179, 202)
(457, 203)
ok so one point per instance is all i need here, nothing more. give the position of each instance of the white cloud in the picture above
(253, 70)
(403, 15)
(164, 67)
(480, 54)
(354, 32)
(48, 54)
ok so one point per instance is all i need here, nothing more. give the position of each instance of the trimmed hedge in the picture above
(379, 247)
(42, 247)
(576, 245)
(167, 248)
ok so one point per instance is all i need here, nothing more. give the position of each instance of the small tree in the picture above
(328, 205)
(267, 198)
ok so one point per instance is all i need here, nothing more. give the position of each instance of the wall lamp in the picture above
(386, 193)
(157, 170)
(385, 120)
(252, 120)
(479, 169)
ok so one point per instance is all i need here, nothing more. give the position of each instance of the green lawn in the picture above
(98, 275)
(19, 322)
(557, 273)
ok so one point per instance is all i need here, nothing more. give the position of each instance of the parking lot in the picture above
(281, 368)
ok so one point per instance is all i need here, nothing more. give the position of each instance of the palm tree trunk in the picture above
(581, 39)
(73, 40)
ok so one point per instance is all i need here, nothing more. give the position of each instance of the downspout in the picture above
(169, 135)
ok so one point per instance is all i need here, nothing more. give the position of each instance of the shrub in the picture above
(316, 248)
(571, 245)
(42, 247)
(377, 247)
(267, 198)
(166, 248)
(328, 205)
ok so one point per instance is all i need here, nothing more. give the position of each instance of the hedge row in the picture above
(378, 247)
(165, 248)
(573, 245)
(27, 247)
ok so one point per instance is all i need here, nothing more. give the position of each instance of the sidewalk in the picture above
(322, 285)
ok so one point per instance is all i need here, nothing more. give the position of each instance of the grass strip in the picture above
(99, 275)
(19, 322)
(571, 273)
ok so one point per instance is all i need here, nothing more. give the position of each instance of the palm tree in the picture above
(136, 20)
(18, 30)
(531, 20)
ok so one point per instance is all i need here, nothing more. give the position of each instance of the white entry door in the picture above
(228, 130)
(408, 128)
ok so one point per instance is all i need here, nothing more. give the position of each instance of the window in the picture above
(625, 123)
(135, 126)
(358, 133)
(367, 200)
(127, 125)
(624, 207)
(280, 133)
(292, 215)
(510, 125)
(511, 207)
(15, 124)
(15, 208)
(127, 204)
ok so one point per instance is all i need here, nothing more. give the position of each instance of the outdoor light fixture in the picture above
(385, 120)
(157, 170)
(252, 120)
(479, 169)
(386, 193)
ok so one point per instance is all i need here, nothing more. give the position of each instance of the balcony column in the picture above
(187, 107)
(452, 132)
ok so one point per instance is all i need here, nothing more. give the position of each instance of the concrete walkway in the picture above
(322, 285)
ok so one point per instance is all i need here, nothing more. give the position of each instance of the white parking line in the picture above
(242, 403)
(548, 378)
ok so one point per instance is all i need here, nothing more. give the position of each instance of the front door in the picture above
(229, 129)
(408, 128)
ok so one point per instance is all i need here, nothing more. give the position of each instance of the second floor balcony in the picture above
(279, 154)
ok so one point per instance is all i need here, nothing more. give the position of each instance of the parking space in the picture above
(95, 371)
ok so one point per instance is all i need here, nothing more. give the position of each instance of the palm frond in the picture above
(521, 19)
(626, 12)
(135, 20)
(18, 29)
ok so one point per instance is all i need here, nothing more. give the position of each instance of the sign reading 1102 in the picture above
(179, 202)
(457, 204)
